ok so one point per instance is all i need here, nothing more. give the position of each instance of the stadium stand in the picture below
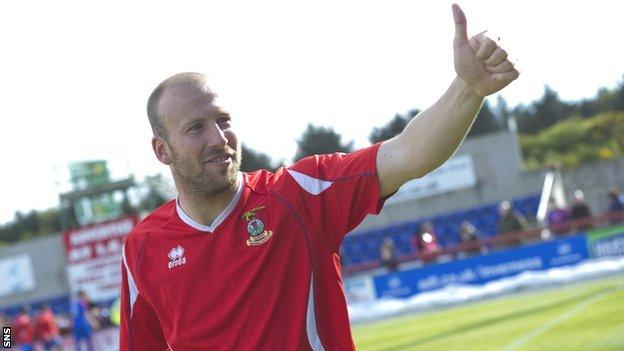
(363, 247)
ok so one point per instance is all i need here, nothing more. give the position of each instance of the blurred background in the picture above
(516, 243)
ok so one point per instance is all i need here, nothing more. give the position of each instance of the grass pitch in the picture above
(585, 316)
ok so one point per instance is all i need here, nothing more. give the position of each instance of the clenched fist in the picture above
(479, 61)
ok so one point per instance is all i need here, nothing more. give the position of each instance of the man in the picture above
(23, 330)
(470, 237)
(557, 218)
(510, 220)
(82, 326)
(251, 261)
(425, 241)
(387, 255)
(46, 329)
(616, 205)
(580, 210)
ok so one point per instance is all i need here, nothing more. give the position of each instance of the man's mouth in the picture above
(220, 159)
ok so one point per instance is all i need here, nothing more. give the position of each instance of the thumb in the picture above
(461, 32)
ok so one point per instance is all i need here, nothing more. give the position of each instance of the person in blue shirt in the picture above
(82, 325)
(616, 206)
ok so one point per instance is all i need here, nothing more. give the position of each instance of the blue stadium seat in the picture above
(363, 247)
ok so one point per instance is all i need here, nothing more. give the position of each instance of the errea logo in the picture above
(176, 257)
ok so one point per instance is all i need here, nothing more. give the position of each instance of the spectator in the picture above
(115, 312)
(46, 329)
(556, 217)
(388, 255)
(83, 323)
(426, 242)
(510, 219)
(616, 205)
(580, 210)
(23, 331)
(469, 236)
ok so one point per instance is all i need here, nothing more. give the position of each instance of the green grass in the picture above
(584, 316)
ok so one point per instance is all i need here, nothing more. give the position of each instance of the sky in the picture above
(75, 75)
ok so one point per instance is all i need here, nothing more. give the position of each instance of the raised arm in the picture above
(433, 136)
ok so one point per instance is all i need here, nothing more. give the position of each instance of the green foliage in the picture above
(549, 109)
(392, 128)
(30, 225)
(34, 224)
(486, 122)
(254, 160)
(156, 186)
(605, 100)
(575, 141)
(320, 140)
(543, 113)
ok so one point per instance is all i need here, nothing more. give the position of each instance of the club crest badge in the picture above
(255, 227)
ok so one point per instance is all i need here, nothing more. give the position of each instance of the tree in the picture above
(50, 220)
(619, 96)
(9, 232)
(30, 225)
(486, 122)
(158, 192)
(605, 101)
(392, 128)
(587, 107)
(576, 141)
(543, 113)
(253, 160)
(320, 140)
(502, 112)
(413, 113)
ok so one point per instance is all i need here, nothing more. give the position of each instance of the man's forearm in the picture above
(434, 135)
(429, 139)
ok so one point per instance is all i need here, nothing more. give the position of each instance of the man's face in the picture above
(201, 146)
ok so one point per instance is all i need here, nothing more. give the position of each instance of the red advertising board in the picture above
(93, 255)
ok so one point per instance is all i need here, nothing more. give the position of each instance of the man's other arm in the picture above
(140, 329)
(433, 136)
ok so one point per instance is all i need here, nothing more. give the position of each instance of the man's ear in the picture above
(161, 150)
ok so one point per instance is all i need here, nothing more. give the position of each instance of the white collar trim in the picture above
(220, 218)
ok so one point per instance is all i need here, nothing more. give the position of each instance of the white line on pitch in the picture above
(553, 322)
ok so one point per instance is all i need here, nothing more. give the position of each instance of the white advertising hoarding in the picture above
(456, 174)
(17, 275)
(359, 289)
(93, 255)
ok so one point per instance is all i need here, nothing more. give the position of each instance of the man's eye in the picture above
(195, 127)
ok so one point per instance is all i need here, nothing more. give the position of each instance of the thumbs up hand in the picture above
(479, 61)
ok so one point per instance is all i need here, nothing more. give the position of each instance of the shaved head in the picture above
(191, 79)
(194, 136)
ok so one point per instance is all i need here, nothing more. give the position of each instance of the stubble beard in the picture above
(204, 184)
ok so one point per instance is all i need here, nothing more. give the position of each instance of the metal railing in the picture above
(499, 241)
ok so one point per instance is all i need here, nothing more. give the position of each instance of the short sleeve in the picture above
(337, 191)
(140, 328)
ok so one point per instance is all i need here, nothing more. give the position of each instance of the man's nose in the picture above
(216, 137)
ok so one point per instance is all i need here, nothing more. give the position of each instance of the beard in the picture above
(201, 181)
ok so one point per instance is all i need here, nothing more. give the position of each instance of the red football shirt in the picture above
(23, 329)
(45, 326)
(265, 275)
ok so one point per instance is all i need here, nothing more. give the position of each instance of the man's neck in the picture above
(204, 210)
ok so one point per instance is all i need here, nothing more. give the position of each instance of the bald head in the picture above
(187, 79)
